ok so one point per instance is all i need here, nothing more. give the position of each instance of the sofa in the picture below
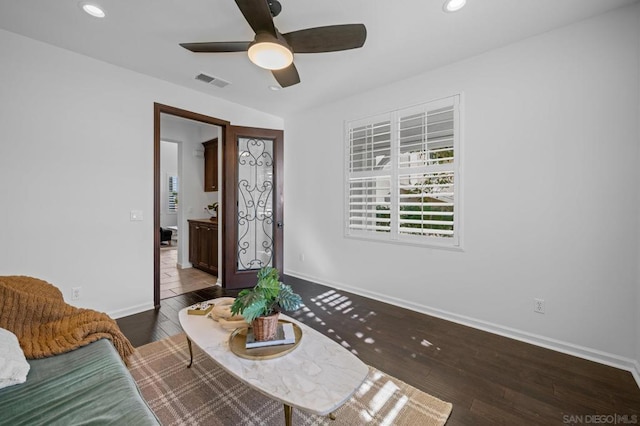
(89, 385)
(62, 365)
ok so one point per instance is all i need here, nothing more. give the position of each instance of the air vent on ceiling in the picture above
(209, 79)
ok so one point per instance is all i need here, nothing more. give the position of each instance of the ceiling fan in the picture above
(273, 50)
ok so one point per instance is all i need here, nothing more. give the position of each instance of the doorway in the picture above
(251, 164)
(191, 202)
(181, 171)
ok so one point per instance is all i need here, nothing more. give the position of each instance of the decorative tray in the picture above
(238, 339)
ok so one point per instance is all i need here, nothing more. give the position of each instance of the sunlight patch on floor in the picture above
(424, 342)
(383, 395)
(380, 399)
(368, 384)
(393, 413)
(331, 302)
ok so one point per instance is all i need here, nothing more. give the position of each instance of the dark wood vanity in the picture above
(203, 245)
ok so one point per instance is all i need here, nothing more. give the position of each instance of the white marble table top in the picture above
(318, 376)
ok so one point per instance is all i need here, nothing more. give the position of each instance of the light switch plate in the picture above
(136, 215)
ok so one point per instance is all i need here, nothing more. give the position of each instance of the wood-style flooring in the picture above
(175, 281)
(489, 379)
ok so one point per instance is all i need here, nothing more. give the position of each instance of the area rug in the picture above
(206, 395)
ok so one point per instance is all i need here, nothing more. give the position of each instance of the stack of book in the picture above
(285, 335)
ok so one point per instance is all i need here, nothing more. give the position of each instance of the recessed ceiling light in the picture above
(453, 5)
(274, 88)
(93, 10)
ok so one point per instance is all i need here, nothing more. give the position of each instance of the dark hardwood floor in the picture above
(489, 379)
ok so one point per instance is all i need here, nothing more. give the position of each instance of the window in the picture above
(402, 175)
(173, 194)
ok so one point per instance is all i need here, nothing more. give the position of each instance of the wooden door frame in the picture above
(159, 109)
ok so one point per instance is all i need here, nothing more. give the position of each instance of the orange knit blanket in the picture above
(36, 312)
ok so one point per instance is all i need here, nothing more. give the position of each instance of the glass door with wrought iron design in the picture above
(253, 204)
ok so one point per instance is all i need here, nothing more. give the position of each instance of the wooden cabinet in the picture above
(203, 245)
(210, 165)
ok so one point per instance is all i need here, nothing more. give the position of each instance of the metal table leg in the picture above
(190, 353)
(288, 415)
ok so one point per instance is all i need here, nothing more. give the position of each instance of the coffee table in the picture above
(318, 376)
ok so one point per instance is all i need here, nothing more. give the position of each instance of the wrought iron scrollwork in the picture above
(255, 205)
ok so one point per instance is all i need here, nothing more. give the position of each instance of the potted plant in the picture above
(261, 305)
(212, 209)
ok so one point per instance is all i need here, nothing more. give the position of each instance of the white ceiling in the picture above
(405, 38)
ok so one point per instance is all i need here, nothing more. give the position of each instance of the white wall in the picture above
(77, 157)
(550, 193)
(168, 167)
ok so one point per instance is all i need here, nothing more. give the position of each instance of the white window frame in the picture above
(394, 235)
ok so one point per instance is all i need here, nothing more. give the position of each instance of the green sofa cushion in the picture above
(89, 385)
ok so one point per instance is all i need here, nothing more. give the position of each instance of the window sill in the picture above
(427, 245)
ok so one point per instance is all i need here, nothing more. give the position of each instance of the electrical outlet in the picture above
(538, 306)
(75, 293)
(301, 257)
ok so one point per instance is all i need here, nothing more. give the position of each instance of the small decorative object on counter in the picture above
(212, 209)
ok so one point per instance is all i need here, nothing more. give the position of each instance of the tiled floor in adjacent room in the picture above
(175, 281)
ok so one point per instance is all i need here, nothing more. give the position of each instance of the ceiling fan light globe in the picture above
(269, 55)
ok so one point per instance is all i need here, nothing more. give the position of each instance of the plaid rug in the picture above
(206, 394)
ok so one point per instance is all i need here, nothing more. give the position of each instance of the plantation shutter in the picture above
(369, 187)
(402, 175)
(426, 172)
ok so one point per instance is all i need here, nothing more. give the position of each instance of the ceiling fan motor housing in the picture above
(263, 37)
(275, 7)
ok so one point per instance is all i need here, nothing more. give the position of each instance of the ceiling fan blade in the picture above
(287, 76)
(258, 15)
(332, 38)
(217, 46)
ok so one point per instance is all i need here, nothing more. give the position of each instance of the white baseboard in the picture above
(590, 354)
(636, 372)
(130, 310)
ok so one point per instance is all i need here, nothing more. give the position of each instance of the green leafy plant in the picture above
(268, 297)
